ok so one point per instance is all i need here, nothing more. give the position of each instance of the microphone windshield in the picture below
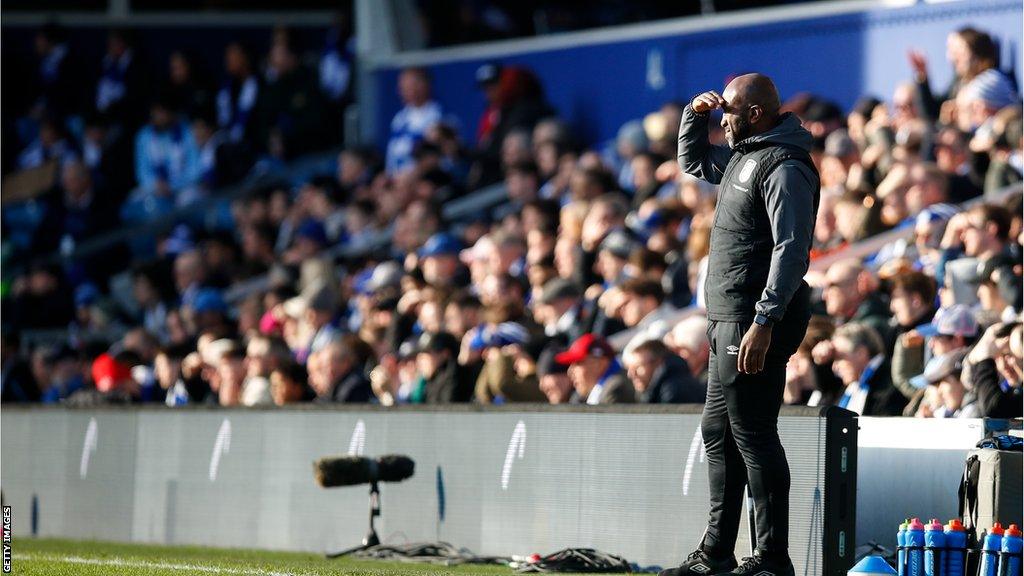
(395, 468)
(335, 471)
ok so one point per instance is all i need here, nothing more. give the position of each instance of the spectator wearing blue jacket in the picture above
(237, 97)
(166, 155)
(412, 122)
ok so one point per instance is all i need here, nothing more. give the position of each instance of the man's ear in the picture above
(756, 113)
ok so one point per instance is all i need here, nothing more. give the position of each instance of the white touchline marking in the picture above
(516, 447)
(88, 447)
(125, 563)
(221, 445)
(358, 441)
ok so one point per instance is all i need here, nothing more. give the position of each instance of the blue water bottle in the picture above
(1009, 560)
(901, 548)
(934, 548)
(915, 548)
(956, 548)
(990, 549)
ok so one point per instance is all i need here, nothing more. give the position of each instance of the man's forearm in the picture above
(696, 156)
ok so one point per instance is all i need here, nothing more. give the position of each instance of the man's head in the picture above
(855, 345)
(189, 270)
(588, 359)
(75, 180)
(161, 114)
(522, 181)
(553, 377)
(49, 37)
(643, 361)
(752, 107)
(970, 51)
(951, 152)
(440, 257)
(1008, 353)
(913, 294)
(846, 286)
(414, 86)
(943, 372)
(515, 148)
(231, 374)
(556, 298)
(988, 229)
(282, 59)
(982, 98)
(929, 185)
(952, 328)
(642, 298)
(288, 383)
(237, 61)
(333, 362)
(433, 352)
(52, 366)
(264, 354)
(586, 184)
(167, 364)
(904, 109)
(508, 250)
(689, 339)
(613, 255)
(462, 313)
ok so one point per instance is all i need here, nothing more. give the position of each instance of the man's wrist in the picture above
(763, 321)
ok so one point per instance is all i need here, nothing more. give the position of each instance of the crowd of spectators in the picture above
(132, 137)
(584, 285)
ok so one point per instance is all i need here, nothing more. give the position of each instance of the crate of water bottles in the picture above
(934, 549)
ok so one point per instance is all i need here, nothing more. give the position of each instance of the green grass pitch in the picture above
(55, 557)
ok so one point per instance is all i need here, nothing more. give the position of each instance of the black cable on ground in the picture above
(577, 560)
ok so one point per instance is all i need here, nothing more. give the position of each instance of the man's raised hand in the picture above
(708, 101)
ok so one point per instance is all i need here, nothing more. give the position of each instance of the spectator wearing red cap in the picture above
(595, 372)
(112, 378)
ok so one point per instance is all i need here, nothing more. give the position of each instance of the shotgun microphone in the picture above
(335, 471)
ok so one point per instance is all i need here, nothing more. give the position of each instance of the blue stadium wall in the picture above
(599, 86)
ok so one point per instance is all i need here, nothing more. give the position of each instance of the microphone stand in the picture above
(371, 538)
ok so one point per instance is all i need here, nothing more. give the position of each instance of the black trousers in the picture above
(741, 437)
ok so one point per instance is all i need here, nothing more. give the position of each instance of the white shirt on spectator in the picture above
(256, 392)
(407, 128)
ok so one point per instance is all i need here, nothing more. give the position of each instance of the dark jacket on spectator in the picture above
(992, 400)
(353, 387)
(883, 398)
(452, 383)
(673, 383)
(874, 311)
(17, 383)
(291, 106)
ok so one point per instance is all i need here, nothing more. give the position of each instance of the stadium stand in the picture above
(171, 239)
